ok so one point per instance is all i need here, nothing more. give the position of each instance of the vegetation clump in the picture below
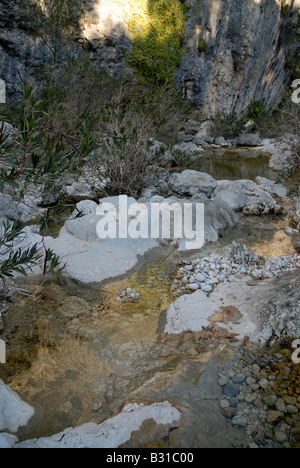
(158, 34)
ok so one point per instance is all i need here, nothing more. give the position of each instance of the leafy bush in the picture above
(227, 125)
(158, 35)
(257, 111)
(21, 259)
(121, 157)
(202, 45)
(16, 260)
(33, 154)
(78, 95)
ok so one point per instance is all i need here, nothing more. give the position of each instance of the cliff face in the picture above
(234, 52)
(238, 52)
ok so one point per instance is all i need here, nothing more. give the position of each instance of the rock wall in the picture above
(235, 51)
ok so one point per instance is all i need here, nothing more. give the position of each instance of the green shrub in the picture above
(257, 111)
(158, 41)
(202, 46)
(227, 125)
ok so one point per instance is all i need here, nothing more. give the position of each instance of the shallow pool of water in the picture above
(234, 165)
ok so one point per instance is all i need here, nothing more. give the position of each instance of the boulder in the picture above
(246, 196)
(192, 127)
(249, 139)
(192, 182)
(113, 432)
(16, 211)
(280, 152)
(259, 319)
(149, 192)
(7, 441)
(190, 313)
(7, 129)
(184, 137)
(220, 141)
(80, 190)
(199, 141)
(277, 190)
(91, 259)
(14, 412)
(188, 149)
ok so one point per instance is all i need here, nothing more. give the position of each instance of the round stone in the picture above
(239, 421)
(255, 368)
(200, 277)
(280, 406)
(264, 383)
(250, 381)
(238, 378)
(229, 413)
(224, 404)
(231, 390)
(223, 381)
(291, 409)
(250, 398)
(289, 400)
(270, 400)
(280, 437)
(274, 417)
(206, 288)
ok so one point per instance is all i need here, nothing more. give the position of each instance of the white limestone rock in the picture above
(190, 313)
(111, 433)
(14, 412)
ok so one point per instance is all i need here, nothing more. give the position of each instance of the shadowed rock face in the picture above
(235, 51)
(245, 56)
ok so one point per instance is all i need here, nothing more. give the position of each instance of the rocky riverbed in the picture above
(262, 395)
(194, 349)
(207, 273)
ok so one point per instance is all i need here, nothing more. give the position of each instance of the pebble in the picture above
(193, 287)
(270, 400)
(200, 277)
(280, 437)
(223, 381)
(240, 261)
(231, 390)
(290, 400)
(258, 403)
(280, 406)
(265, 395)
(229, 413)
(206, 288)
(238, 378)
(239, 421)
(129, 296)
(250, 381)
(250, 398)
(224, 404)
(274, 417)
(264, 383)
(291, 409)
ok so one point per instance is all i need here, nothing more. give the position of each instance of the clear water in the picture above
(234, 165)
